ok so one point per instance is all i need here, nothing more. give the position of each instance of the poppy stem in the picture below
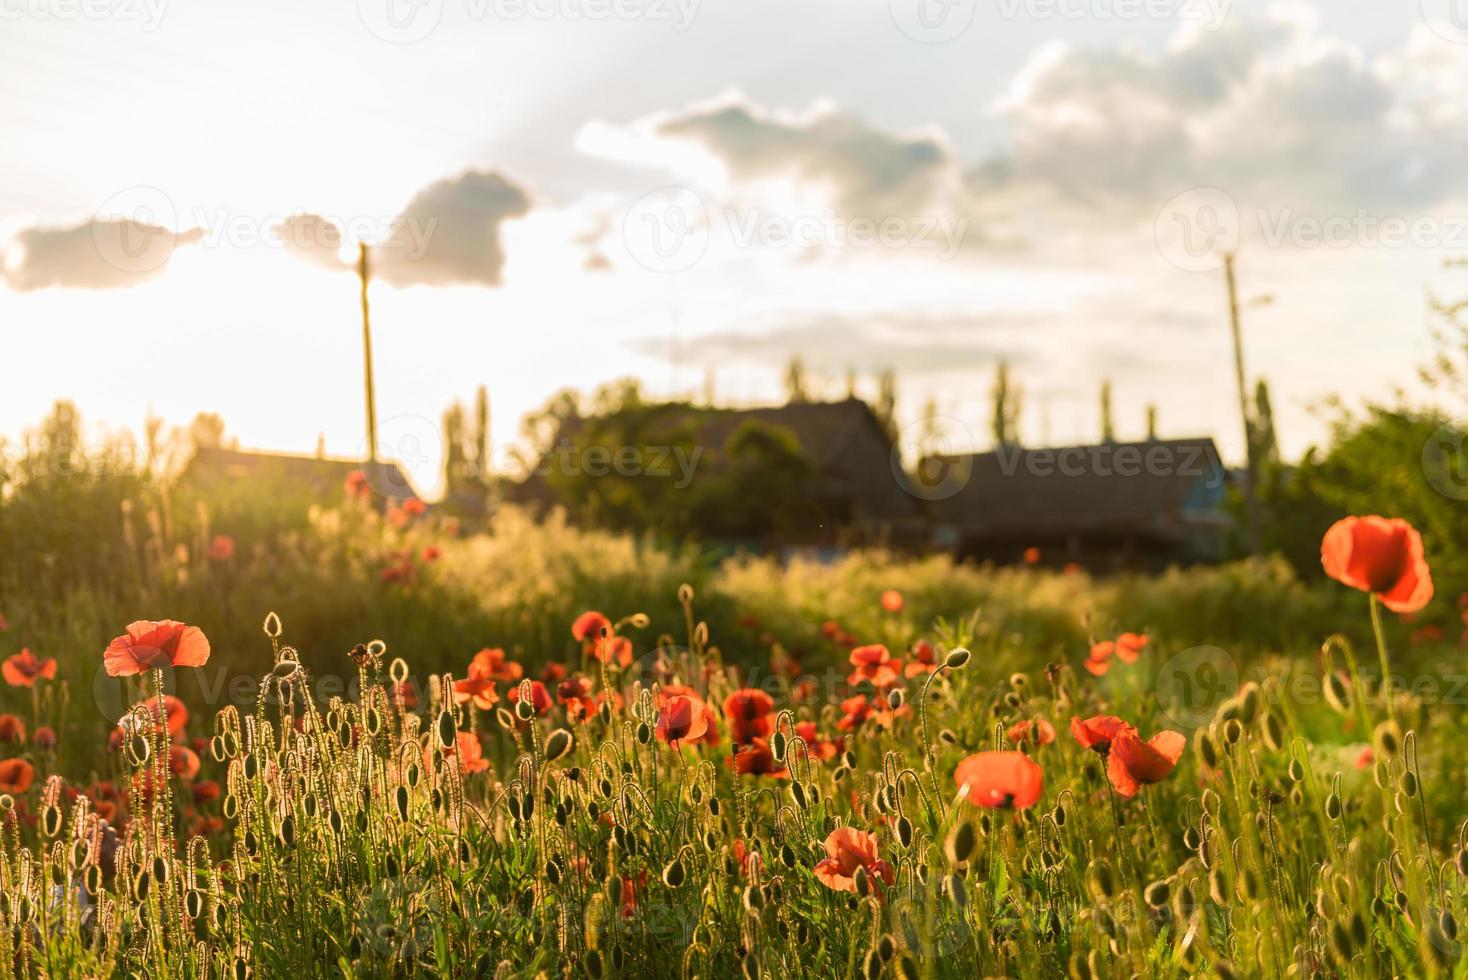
(1386, 676)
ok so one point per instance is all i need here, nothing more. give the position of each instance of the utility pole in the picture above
(1251, 497)
(364, 273)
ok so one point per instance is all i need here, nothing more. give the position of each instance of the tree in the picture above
(795, 385)
(1108, 429)
(1006, 409)
(886, 407)
(206, 431)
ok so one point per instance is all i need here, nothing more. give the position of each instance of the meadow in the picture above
(383, 746)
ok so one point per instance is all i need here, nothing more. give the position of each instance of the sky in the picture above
(558, 193)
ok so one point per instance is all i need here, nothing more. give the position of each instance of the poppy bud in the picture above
(961, 840)
(447, 731)
(1297, 770)
(673, 873)
(558, 744)
(1103, 883)
(1388, 738)
(1248, 702)
(778, 745)
(1337, 694)
(524, 710)
(956, 658)
(1333, 806)
(1408, 783)
(400, 802)
(956, 890)
(1233, 730)
(754, 897)
(1273, 731)
(1157, 893)
(894, 698)
(904, 831)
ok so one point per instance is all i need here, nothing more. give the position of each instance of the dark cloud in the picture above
(103, 253)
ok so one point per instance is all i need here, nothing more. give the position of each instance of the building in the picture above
(216, 470)
(1105, 507)
(857, 492)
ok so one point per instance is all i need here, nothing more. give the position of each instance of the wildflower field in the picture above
(605, 759)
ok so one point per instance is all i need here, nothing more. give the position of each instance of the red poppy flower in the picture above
(490, 662)
(1366, 759)
(1133, 763)
(892, 601)
(874, 663)
(1032, 555)
(846, 850)
(821, 748)
(25, 668)
(710, 719)
(480, 690)
(588, 626)
(471, 754)
(631, 890)
(681, 719)
(1129, 647)
(830, 629)
(356, 485)
(540, 698)
(553, 672)
(12, 729)
(1000, 780)
(44, 738)
(183, 762)
(1098, 661)
(575, 695)
(432, 553)
(148, 644)
(1039, 731)
(204, 791)
(175, 713)
(858, 709)
(413, 507)
(221, 548)
(923, 659)
(1380, 556)
(16, 776)
(756, 759)
(406, 694)
(747, 860)
(1098, 732)
(748, 711)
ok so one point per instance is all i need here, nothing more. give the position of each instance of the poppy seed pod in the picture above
(961, 841)
(956, 889)
(558, 744)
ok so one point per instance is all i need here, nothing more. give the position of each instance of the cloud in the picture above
(102, 253)
(831, 344)
(1267, 109)
(449, 234)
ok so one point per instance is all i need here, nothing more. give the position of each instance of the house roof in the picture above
(853, 455)
(1138, 487)
(320, 474)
